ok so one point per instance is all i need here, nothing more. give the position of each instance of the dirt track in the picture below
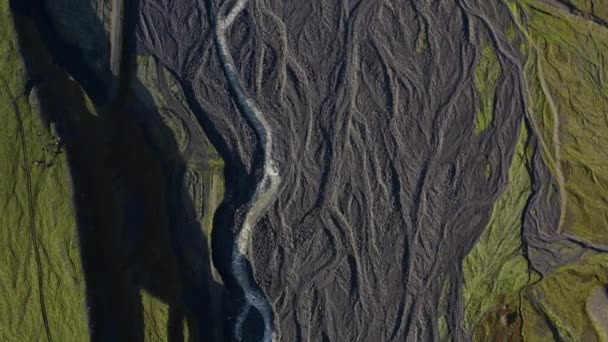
(6, 91)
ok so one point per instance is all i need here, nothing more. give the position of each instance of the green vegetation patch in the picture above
(487, 72)
(421, 39)
(442, 323)
(597, 303)
(156, 318)
(555, 307)
(595, 8)
(56, 234)
(567, 85)
(511, 33)
(496, 269)
(204, 183)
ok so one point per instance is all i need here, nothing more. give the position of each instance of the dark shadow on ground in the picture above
(239, 189)
(137, 229)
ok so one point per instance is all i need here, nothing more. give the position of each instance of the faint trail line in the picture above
(32, 228)
(265, 190)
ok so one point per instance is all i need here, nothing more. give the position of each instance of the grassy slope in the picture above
(565, 73)
(20, 313)
(156, 315)
(442, 324)
(487, 72)
(496, 270)
(573, 56)
(597, 8)
(557, 303)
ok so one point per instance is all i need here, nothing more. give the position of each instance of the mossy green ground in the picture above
(156, 316)
(20, 313)
(421, 40)
(496, 269)
(597, 8)
(487, 72)
(554, 308)
(442, 324)
(569, 55)
(565, 59)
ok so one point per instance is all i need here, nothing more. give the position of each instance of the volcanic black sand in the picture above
(383, 191)
(356, 181)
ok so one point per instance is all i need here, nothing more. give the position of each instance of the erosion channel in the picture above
(315, 170)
